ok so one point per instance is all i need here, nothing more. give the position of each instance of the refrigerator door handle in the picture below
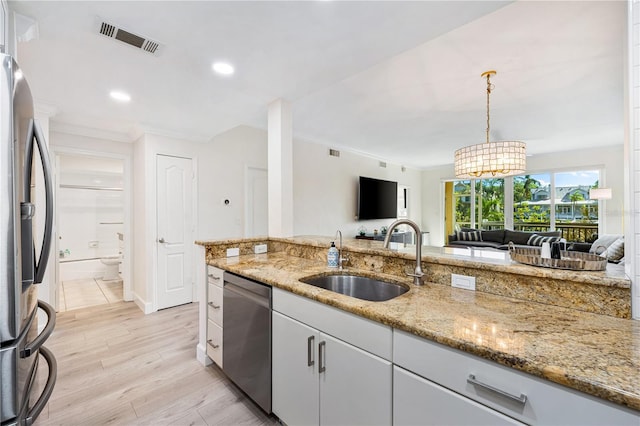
(33, 346)
(41, 266)
(37, 408)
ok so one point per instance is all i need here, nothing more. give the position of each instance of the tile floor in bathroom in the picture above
(75, 294)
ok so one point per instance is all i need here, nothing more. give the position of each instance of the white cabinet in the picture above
(319, 378)
(215, 279)
(417, 401)
(478, 380)
(296, 391)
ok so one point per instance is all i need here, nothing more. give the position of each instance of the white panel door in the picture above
(175, 230)
(256, 203)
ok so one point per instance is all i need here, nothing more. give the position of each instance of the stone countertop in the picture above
(485, 259)
(595, 354)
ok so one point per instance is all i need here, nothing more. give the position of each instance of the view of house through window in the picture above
(541, 202)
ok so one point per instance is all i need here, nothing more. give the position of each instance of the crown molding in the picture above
(45, 109)
(72, 129)
(140, 130)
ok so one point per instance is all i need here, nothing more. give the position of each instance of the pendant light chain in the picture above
(489, 87)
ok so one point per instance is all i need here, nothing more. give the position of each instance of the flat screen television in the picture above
(377, 199)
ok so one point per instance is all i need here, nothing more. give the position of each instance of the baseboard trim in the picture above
(201, 355)
(144, 306)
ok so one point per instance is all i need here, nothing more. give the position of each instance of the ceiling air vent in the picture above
(334, 152)
(135, 40)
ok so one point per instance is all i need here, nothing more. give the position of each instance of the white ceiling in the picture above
(396, 80)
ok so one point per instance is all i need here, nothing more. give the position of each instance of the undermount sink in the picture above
(356, 286)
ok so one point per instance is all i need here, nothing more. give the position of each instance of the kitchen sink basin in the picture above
(356, 286)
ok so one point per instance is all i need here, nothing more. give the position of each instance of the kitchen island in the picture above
(585, 351)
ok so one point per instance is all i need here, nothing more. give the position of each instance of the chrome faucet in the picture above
(418, 274)
(341, 259)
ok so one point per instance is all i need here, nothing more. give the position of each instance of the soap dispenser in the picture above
(332, 256)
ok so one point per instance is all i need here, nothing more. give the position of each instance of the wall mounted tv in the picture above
(377, 199)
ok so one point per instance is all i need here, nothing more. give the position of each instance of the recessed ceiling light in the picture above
(120, 96)
(223, 68)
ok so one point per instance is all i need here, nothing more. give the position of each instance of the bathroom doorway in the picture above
(91, 217)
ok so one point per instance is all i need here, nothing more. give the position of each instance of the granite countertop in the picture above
(596, 354)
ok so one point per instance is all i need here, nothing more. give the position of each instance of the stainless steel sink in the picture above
(359, 287)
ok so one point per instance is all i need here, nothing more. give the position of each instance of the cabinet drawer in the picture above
(214, 342)
(417, 401)
(214, 303)
(360, 332)
(547, 402)
(215, 275)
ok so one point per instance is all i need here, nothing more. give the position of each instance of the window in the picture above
(541, 202)
(531, 202)
(483, 197)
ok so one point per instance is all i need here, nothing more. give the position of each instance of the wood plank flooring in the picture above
(117, 366)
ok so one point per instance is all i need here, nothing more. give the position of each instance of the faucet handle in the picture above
(417, 278)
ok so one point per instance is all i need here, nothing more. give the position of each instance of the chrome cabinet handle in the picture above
(310, 360)
(210, 341)
(522, 399)
(321, 348)
(161, 240)
(214, 277)
(214, 306)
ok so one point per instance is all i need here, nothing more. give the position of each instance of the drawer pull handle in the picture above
(214, 306)
(212, 345)
(216, 278)
(321, 365)
(310, 358)
(522, 399)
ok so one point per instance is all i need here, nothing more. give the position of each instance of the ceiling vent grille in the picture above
(135, 40)
(334, 152)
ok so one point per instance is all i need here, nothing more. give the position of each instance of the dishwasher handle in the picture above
(262, 301)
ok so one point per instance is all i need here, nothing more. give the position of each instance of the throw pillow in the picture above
(615, 252)
(538, 240)
(603, 241)
(469, 236)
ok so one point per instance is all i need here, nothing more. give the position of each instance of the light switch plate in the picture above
(260, 248)
(463, 281)
(231, 252)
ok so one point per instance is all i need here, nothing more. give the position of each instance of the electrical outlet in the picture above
(231, 252)
(260, 248)
(463, 281)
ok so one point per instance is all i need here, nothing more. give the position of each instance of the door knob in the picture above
(161, 240)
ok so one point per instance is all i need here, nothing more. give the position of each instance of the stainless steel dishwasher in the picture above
(246, 347)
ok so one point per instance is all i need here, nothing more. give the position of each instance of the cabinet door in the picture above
(295, 398)
(355, 387)
(419, 401)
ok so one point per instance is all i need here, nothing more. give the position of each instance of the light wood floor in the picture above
(117, 366)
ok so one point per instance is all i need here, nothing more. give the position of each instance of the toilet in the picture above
(111, 269)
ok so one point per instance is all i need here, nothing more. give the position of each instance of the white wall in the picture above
(221, 176)
(610, 159)
(325, 190)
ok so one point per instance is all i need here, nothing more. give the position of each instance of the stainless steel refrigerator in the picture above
(22, 262)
